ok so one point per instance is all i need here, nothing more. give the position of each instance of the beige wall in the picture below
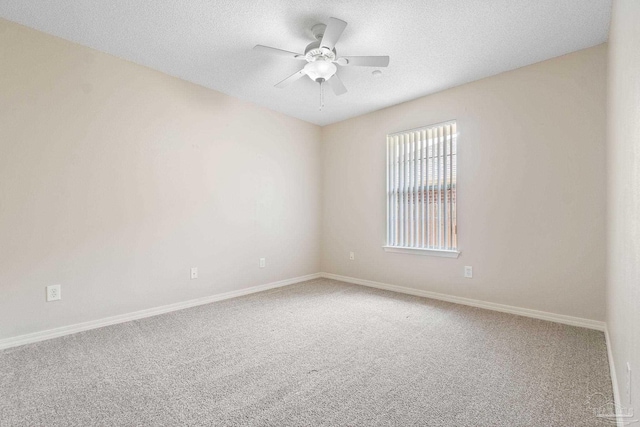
(116, 179)
(531, 189)
(623, 285)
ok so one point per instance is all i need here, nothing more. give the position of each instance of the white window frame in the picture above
(397, 141)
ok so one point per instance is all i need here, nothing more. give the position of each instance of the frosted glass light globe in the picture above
(320, 69)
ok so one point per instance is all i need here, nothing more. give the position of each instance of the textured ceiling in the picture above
(433, 44)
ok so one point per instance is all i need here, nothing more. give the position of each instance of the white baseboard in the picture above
(543, 315)
(79, 327)
(93, 324)
(614, 377)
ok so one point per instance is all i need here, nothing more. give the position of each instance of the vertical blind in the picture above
(421, 188)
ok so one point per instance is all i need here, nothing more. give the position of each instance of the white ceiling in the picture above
(433, 44)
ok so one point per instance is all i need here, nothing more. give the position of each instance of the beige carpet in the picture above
(320, 353)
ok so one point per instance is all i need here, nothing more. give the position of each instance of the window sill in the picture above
(428, 252)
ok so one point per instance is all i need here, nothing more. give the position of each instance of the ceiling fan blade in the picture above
(292, 78)
(279, 52)
(332, 33)
(364, 61)
(337, 86)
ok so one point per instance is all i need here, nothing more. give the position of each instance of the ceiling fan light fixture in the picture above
(320, 70)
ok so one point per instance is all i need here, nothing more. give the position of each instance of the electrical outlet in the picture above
(468, 271)
(54, 293)
(628, 385)
(352, 256)
(194, 273)
(263, 262)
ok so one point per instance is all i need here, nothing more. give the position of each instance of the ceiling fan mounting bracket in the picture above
(318, 31)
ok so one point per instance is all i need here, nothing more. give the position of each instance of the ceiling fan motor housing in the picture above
(313, 52)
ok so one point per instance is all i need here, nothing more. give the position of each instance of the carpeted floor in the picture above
(319, 353)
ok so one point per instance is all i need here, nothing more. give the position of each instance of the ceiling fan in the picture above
(321, 57)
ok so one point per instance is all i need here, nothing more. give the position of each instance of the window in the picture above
(421, 191)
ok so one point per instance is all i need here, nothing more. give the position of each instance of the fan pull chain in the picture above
(321, 96)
